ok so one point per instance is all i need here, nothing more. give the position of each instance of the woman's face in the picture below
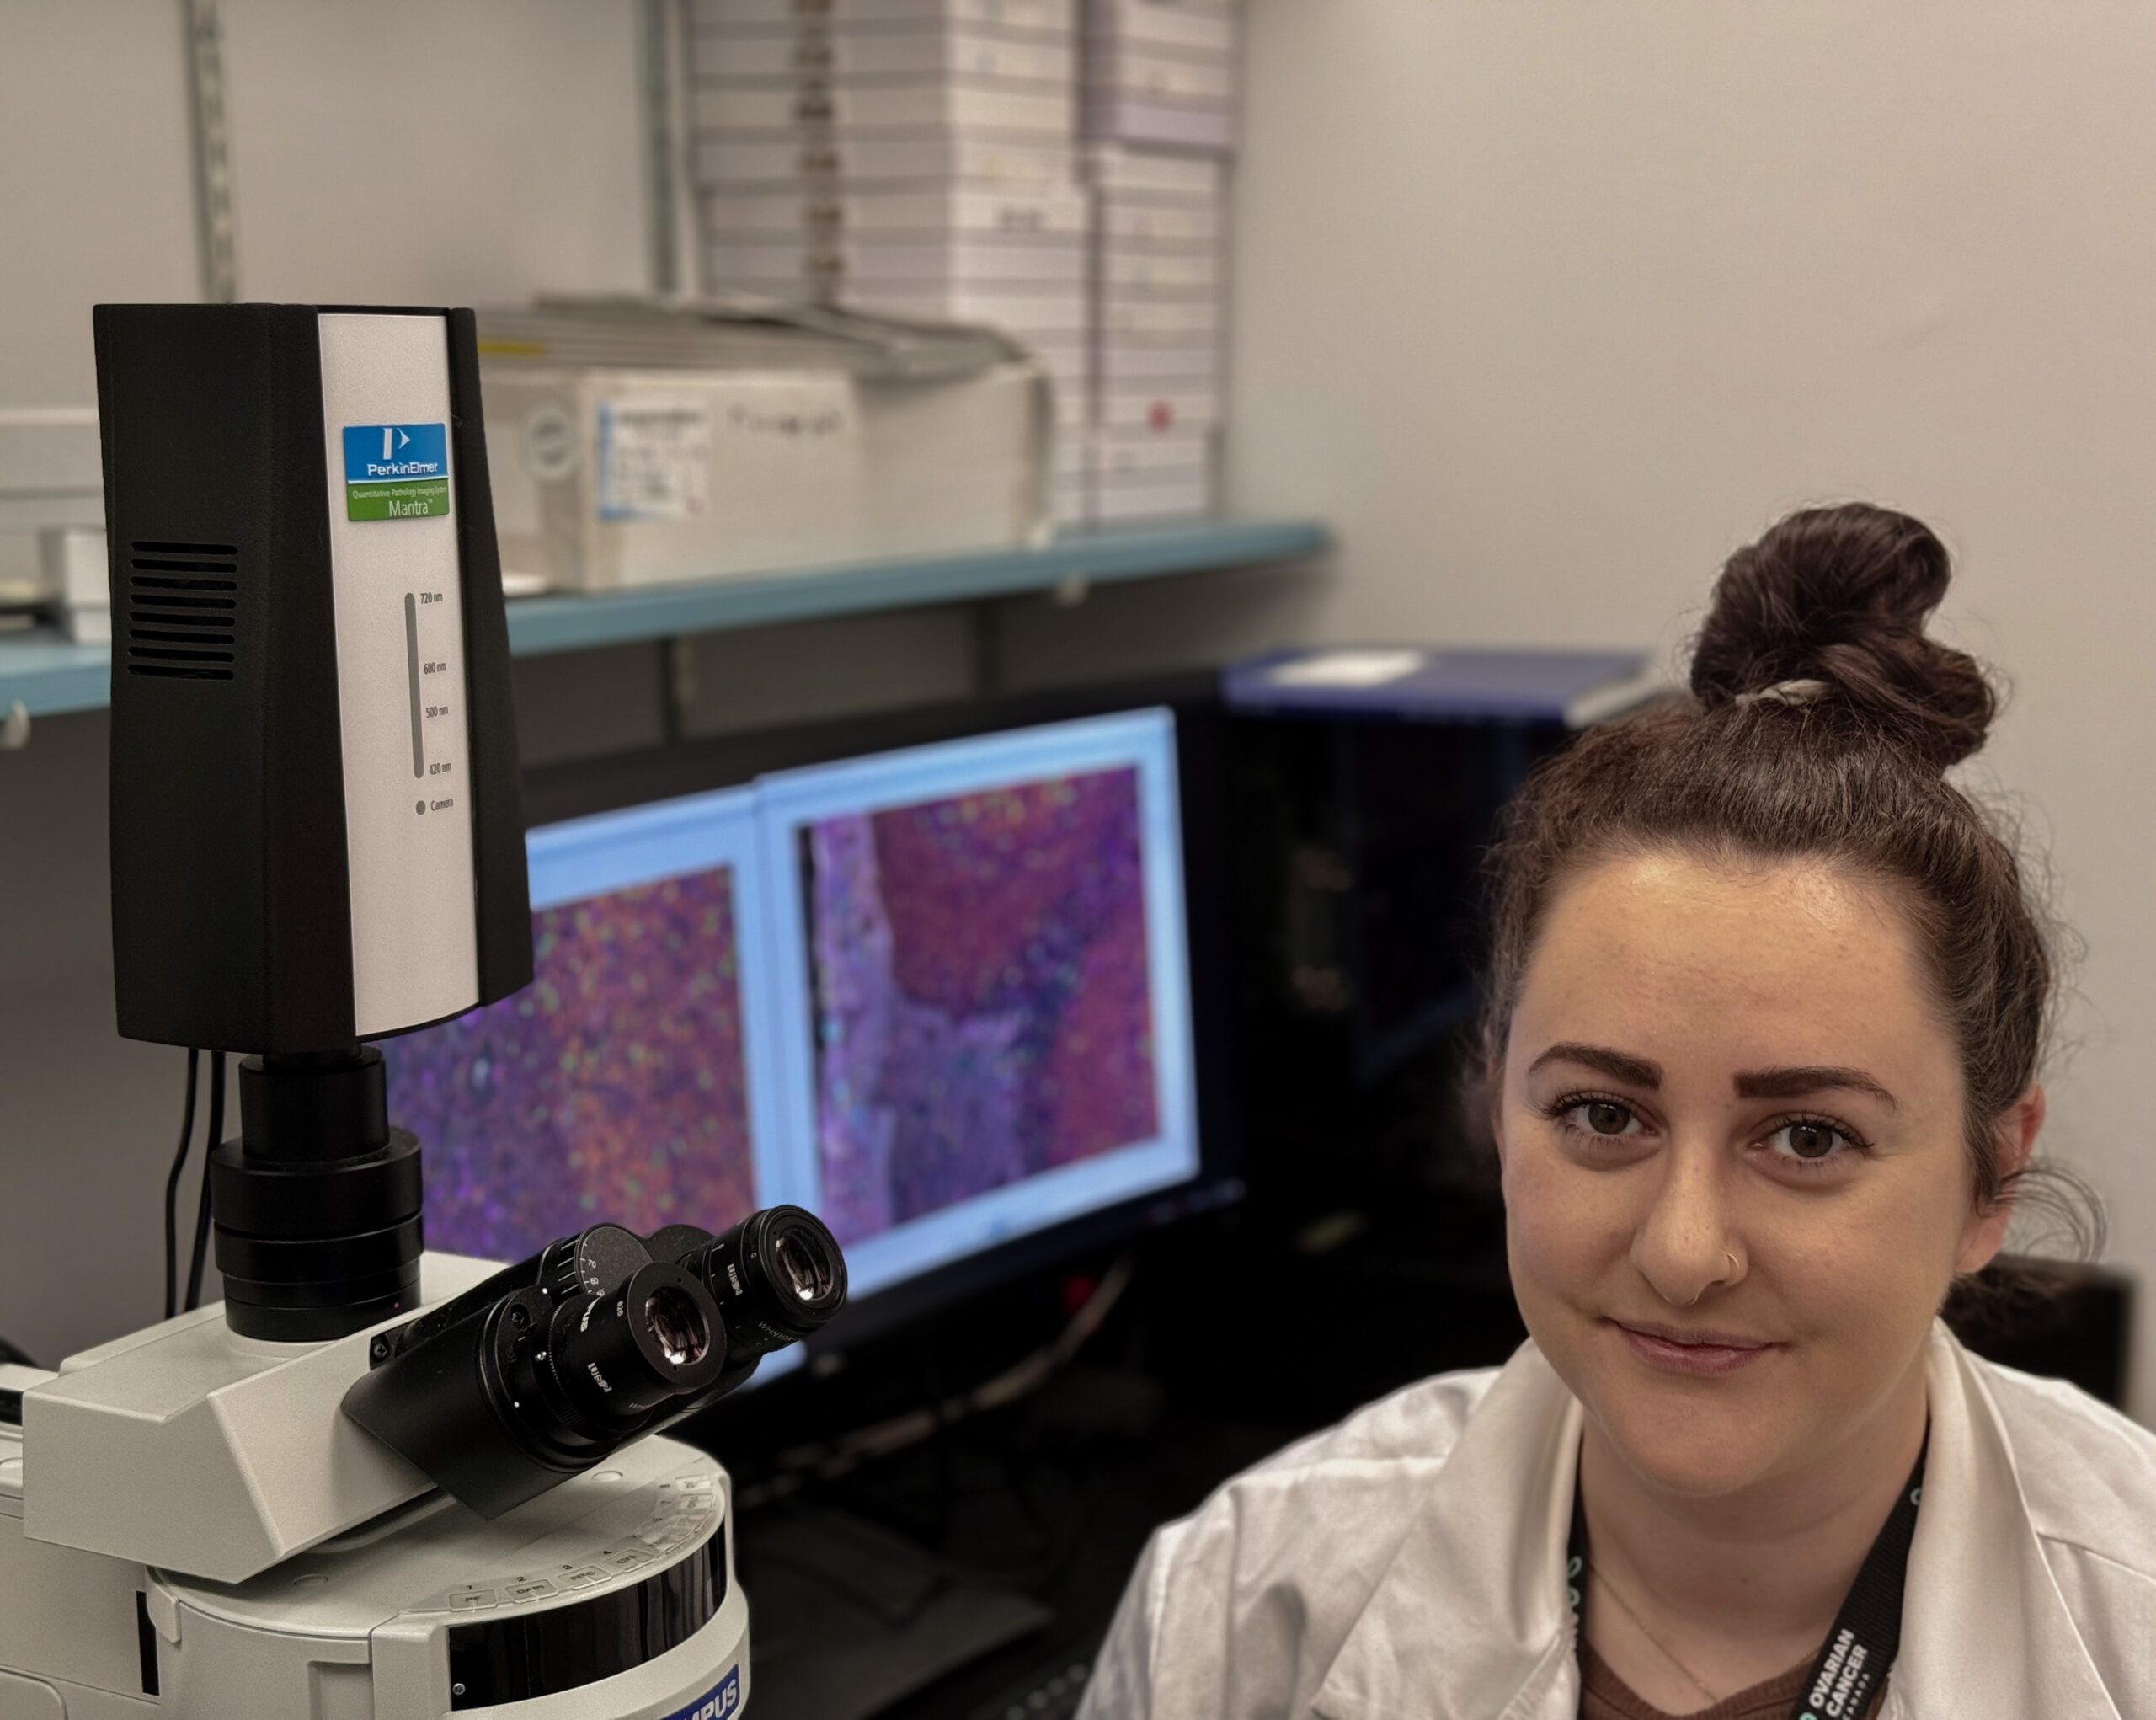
(1735, 1182)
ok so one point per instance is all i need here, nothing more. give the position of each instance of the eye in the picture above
(1809, 1143)
(1606, 1118)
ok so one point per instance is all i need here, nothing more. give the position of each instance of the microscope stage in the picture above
(612, 1593)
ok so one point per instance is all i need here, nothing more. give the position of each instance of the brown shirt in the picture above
(1604, 1696)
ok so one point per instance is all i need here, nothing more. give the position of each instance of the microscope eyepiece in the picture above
(684, 1335)
(599, 1338)
(617, 1357)
(778, 1276)
(803, 1270)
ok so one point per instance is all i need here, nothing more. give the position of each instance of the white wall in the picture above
(1547, 306)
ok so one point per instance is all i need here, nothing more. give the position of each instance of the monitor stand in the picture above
(851, 1618)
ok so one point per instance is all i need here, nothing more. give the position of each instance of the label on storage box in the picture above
(657, 451)
(654, 458)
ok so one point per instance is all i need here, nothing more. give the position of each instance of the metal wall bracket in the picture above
(670, 206)
(213, 158)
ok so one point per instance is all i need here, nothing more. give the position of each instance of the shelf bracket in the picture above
(984, 627)
(678, 686)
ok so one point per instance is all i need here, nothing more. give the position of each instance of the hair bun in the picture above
(1841, 595)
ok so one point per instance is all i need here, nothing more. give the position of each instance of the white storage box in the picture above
(1115, 503)
(73, 582)
(1006, 14)
(830, 271)
(1025, 317)
(1194, 27)
(740, 58)
(953, 105)
(71, 569)
(1125, 221)
(1167, 78)
(956, 259)
(1152, 457)
(1162, 72)
(1171, 408)
(1160, 269)
(936, 212)
(725, 158)
(1107, 477)
(1152, 362)
(1115, 167)
(1135, 118)
(872, 442)
(1146, 316)
(89, 624)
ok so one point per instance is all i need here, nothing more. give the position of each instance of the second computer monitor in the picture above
(981, 961)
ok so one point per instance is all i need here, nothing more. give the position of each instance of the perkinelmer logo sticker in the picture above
(395, 471)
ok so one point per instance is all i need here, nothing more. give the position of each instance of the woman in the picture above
(1766, 1005)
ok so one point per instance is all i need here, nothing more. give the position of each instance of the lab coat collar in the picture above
(1463, 1626)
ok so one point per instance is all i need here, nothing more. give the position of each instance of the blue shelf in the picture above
(49, 676)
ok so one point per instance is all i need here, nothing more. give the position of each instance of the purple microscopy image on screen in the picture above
(984, 1011)
(611, 1090)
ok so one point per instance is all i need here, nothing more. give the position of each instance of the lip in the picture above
(1698, 1353)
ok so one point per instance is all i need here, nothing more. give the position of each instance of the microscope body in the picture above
(373, 1483)
(199, 1531)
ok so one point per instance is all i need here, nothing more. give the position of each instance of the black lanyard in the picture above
(1860, 1650)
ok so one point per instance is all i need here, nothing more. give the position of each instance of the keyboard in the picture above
(1050, 1692)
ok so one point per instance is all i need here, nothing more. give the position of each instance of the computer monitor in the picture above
(981, 965)
(617, 1087)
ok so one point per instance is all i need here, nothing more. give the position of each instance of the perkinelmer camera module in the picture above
(301, 511)
(317, 822)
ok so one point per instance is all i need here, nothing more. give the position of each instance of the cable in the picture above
(829, 1459)
(172, 1188)
(202, 1209)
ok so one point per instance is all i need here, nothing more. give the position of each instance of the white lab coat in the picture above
(1406, 1565)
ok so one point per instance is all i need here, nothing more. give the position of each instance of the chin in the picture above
(1693, 1439)
(1700, 1455)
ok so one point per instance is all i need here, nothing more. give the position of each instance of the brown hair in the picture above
(1820, 722)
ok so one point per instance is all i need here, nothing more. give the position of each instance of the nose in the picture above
(1684, 1246)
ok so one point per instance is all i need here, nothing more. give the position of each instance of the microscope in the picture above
(373, 1483)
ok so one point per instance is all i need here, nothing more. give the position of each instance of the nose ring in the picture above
(1728, 1254)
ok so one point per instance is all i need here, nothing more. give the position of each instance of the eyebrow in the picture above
(1618, 1066)
(1789, 1083)
(1794, 1083)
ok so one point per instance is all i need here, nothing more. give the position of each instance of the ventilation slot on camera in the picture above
(183, 609)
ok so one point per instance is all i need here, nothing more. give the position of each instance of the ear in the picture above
(2015, 1136)
(1493, 1107)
